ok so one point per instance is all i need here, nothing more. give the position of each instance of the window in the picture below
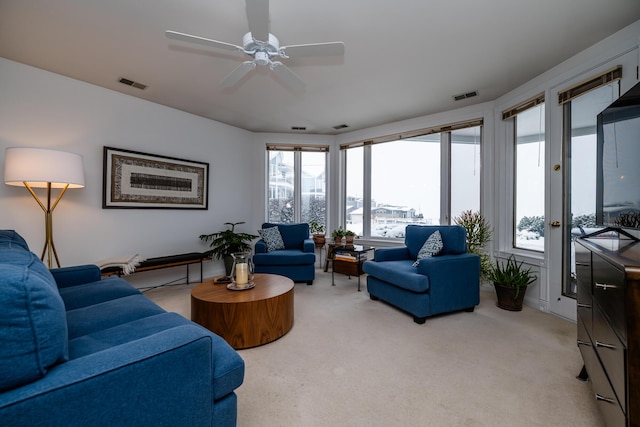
(465, 170)
(398, 179)
(405, 185)
(296, 184)
(528, 173)
(354, 204)
(313, 187)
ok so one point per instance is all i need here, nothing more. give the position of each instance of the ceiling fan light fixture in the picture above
(261, 58)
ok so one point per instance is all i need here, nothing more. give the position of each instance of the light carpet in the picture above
(351, 361)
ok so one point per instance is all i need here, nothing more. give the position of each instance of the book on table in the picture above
(345, 256)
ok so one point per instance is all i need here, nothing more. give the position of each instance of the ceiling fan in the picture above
(263, 47)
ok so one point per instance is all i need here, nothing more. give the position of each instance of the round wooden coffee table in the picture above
(246, 318)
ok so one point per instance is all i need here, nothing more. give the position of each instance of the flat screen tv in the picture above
(618, 163)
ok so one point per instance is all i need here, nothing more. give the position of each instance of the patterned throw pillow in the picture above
(272, 238)
(431, 247)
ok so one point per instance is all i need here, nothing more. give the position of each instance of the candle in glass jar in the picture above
(242, 274)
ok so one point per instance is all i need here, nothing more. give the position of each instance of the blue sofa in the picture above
(296, 261)
(76, 350)
(447, 282)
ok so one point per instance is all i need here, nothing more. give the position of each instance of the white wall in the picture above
(42, 109)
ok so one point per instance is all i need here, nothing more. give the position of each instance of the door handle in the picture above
(555, 223)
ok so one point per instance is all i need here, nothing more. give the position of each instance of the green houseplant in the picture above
(349, 237)
(478, 236)
(317, 230)
(225, 242)
(510, 280)
(337, 235)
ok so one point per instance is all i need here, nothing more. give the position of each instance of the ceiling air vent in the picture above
(465, 95)
(298, 128)
(132, 83)
(343, 126)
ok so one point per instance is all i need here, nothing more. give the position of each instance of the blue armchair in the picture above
(296, 260)
(446, 282)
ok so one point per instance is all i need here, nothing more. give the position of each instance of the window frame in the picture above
(298, 150)
(509, 117)
(445, 182)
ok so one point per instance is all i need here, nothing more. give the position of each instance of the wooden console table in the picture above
(162, 262)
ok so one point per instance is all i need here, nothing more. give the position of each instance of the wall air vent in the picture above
(343, 126)
(132, 83)
(465, 95)
(298, 128)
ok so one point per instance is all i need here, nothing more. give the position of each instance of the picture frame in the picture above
(136, 180)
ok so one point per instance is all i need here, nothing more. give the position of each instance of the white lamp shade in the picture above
(39, 166)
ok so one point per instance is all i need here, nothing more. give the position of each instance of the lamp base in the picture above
(49, 246)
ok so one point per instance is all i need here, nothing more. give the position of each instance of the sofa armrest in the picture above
(261, 247)
(308, 245)
(164, 379)
(454, 281)
(76, 275)
(391, 254)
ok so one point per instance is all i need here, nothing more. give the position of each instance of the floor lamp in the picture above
(44, 168)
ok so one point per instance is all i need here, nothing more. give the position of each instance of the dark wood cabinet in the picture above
(608, 305)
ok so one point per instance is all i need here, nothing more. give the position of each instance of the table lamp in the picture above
(44, 168)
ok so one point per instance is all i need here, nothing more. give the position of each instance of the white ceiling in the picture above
(403, 58)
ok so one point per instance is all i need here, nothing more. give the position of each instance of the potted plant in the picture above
(349, 237)
(224, 243)
(478, 236)
(317, 231)
(510, 280)
(337, 235)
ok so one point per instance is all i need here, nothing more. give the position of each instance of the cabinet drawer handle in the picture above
(603, 345)
(580, 342)
(605, 399)
(583, 264)
(604, 286)
(583, 305)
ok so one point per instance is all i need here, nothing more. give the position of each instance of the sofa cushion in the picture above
(91, 293)
(285, 257)
(33, 328)
(454, 238)
(228, 366)
(399, 273)
(272, 238)
(9, 238)
(293, 235)
(98, 317)
(431, 247)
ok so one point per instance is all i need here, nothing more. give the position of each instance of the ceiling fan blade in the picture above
(287, 76)
(258, 17)
(236, 75)
(314, 49)
(202, 41)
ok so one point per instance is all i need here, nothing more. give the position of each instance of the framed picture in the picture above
(146, 181)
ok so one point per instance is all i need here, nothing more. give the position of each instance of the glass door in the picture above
(580, 173)
(572, 171)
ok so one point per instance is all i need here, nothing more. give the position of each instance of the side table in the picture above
(353, 256)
